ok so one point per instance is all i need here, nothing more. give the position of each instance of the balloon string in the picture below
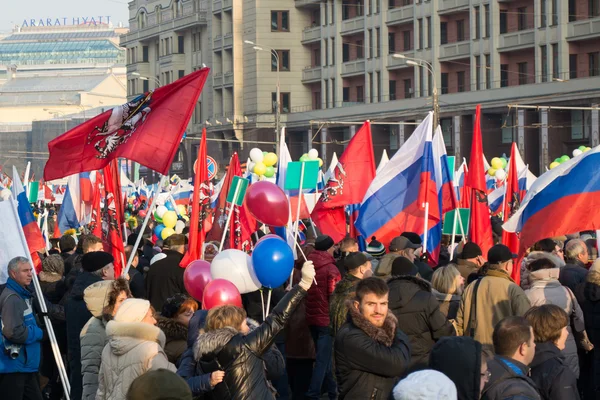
(262, 304)
(268, 302)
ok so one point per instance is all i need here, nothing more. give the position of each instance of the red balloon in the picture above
(220, 292)
(196, 277)
(270, 235)
(142, 213)
(267, 203)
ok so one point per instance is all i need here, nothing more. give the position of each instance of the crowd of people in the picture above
(377, 324)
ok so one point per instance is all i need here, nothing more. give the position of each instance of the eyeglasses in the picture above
(486, 376)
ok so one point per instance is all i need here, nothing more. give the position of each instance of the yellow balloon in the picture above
(270, 159)
(166, 232)
(491, 171)
(320, 162)
(182, 209)
(554, 165)
(259, 169)
(170, 219)
(496, 163)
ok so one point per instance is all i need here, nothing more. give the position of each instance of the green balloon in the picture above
(504, 162)
(270, 172)
(557, 160)
(265, 153)
(304, 158)
(564, 158)
(582, 148)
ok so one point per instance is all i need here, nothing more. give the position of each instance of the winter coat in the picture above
(53, 290)
(546, 289)
(552, 375)
(384, 268)
(338, 311)
(573, 275)
(176, 338)
(317, 299)
(533, 256)
(419, 316)
(498, 297)
(165, 279)
(591, 311)
(240, 356)
(19, 329)
(425, 270)
(298, 340)
(509, 379)
(449, 303)
(73, 268)
(137, 283)
(133, 349)
(466, 267)
(369, 360)
(253, 303)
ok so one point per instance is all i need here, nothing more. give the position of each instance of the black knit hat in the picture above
(324, 243)
(413, 237)
(403, 266)
(355, 260)
(173, 304)
(160, 384)
(470, 250)
(376, 248)
(96, 260)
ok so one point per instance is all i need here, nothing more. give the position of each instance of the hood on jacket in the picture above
(404, 288)
(172, 329)
(209, 344)
(196, 323)
(444, 297)
(82, 282)
(96, 297)
(544, 352)
(537, 255)
(384, 334)
(550, 274)
(124, 336)
(591, 289)
(459, 358)
(321, 258)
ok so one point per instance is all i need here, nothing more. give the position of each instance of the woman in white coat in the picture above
(135, 346)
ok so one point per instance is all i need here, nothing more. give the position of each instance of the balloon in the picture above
(304, 158)
(504, 162)
(220, 292)
(500, 174)
(170, 206)
(270, 172)
(182, 209)
(320, 162)
(557, 160)
(496, 163)
(260, 168)
(577, 152)
(491, 171)
(127, 215)
(170, 219)
(142, 213)
(250, 166)
(267, 203)
(554, 165)
(166, 233)
(270, 159)
(157, 218)
(256, 155)
(161, 210)
(5, 194)
(236, 267)
(587, 149)
(158, 230)
(196, 277)
(564, 159)
(313, 154)
(582, 148)
(179, 226)
(269, 236)
(273, 262)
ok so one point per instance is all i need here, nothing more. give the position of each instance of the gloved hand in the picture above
(308, 275)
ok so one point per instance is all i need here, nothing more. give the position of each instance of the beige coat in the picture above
(498, 297)
(133, 348)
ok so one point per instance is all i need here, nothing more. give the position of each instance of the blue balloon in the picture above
(273, 262)
(158, 230)
(170, 206)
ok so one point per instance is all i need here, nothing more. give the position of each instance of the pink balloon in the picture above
(267, 203)
(142, 213)
(220, 292)
(270, 235)
(196, 277)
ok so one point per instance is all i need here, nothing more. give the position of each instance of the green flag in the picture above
(237, 191)
(294, 171)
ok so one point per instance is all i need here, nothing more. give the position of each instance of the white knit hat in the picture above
(132, 310)
(426, 384)
(157, 257)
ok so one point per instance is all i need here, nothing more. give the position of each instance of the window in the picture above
(444, 82)
(460, 30)
(180, 40)
(377, 6)
(333, 50)
(333, 98)
(443, 32)
(407, 41)
(554, 12)
(408, 91)
(477, 73)
(378, 77)
(572, 66)
(577, 125)
(422, 75)
(198, 113)
(522, 13)
(477, 24)
(194, 42)
(145, 86)
(327, 51)
(370, 34)
(377, 42)
(284, 60)
(460, 81)
(360, 94)
(180, 74)
(371, 88)
(503, 21)
(327, 103)
(542, 13)
(392, 42)
(523, 75)
(359, 49)
(594, 63)
(593, 8)
(346, 95)
(420, 33)
(555, 61)
(429, 35)
(572, 11)
(392, 85)
(316, 98)
(284, 99)
(316, 58)
(447, 130)
(280, 21)
(157, 51)
(144, 53)
(486, 11)
(325, 15)
(429, 84)
(544, 57)
(503, 75)
(345, 52)
(488, 72)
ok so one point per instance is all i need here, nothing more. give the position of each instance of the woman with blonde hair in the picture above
(448, 285)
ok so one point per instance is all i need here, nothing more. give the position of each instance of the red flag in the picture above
(480, 226)
(304, 214)
(197, 235)
(465, 191)
(148, 130)
(512, 200)
(113, 215)
(96, 222)
(352, 176)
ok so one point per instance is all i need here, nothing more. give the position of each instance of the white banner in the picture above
(11, 243)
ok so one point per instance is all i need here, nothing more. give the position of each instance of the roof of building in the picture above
(61, 35)
(64, 83)
(59, 52)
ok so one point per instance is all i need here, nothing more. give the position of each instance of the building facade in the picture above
(340, 62)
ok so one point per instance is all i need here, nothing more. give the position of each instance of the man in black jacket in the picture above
(371, 353)
(576, 256)
(165, 277)
(515, 348)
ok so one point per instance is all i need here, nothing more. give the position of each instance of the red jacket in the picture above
(317, 299)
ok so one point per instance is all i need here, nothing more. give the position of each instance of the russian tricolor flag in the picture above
(86, 187)
(71, 212)
(495, 200)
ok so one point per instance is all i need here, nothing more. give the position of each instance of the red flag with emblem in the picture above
(113, 216)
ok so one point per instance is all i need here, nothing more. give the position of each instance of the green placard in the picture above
(240, 185)
(34, 188)
(451, 165)
(294, 170)
(463, 214)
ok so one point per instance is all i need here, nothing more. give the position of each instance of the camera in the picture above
(12, 351)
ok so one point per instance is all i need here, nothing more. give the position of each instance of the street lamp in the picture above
(258, 47)
(418, 62)
(55, 113)
(145, 78)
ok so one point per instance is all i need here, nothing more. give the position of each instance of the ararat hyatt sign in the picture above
(102, 19)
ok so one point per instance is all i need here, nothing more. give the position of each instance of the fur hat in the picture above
(96, 260)
(53, 268)
(324, 243)
(132, 310)
(426, 384)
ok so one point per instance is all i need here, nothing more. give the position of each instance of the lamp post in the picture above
(258, 47)
(418, 62)
(145, 78)
(55, 113)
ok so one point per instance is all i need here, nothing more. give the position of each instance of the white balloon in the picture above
(161, 210)
(577, 152)
(5, 194)
(236, 267)
(256, 155)
(179, 225)
(500, 174)
(250, 166)
(313, 154)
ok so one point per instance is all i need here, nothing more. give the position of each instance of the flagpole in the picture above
(235, 195)
(426, 226)
(462, 230)
(299, 204)
(454, 229)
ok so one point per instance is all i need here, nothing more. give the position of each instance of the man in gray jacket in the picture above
(399, 247)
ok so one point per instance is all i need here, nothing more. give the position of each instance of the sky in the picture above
(43, 9)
